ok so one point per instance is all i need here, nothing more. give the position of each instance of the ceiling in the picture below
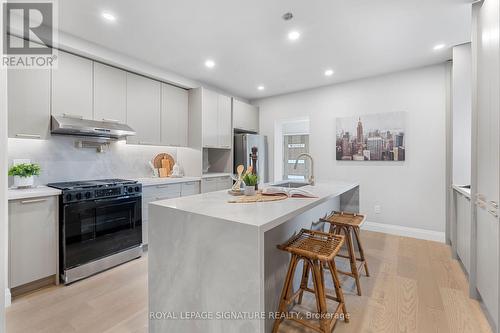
(248, 39)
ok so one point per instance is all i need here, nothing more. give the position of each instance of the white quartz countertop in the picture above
(160, 181)
(260, 214)
(34, 192)
(462, 190)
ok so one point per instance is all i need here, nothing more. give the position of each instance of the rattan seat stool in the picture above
(349, 224)
(317, 250)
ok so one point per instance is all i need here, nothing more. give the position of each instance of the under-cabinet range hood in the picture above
(71, 125)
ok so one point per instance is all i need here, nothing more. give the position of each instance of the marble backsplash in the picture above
(61, 161)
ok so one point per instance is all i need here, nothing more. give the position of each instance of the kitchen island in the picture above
(214, 265)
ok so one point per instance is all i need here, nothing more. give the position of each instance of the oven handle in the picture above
(117, 198)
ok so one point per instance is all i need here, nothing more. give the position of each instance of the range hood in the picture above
(71, 125)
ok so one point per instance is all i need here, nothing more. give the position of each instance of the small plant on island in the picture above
(250, 179)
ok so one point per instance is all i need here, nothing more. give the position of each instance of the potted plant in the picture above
(23, 174)
(250, 181)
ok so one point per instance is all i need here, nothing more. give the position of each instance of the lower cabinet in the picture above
(212, 184)
(33, 225)
(463, 225)
(162, 192)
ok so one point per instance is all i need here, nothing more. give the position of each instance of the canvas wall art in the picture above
(371, 137)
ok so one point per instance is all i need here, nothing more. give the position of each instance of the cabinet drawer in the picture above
(190, 188)
(33, 225)
(224, 183)
(209, 184)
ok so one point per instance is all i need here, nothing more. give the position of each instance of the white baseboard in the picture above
(405, 231)
(8, 297)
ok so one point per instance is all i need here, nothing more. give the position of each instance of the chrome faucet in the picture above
(311, 174)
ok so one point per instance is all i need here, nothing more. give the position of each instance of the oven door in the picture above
(95, 229)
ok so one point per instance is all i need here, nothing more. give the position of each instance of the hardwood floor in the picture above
(414, 286)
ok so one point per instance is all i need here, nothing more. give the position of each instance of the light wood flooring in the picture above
(414, 286)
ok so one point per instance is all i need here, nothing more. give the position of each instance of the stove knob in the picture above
(87, 195)
(130, 189)
(69, 197)
(137, 188)
(78, 196)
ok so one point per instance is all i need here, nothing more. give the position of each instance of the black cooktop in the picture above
(90, 183)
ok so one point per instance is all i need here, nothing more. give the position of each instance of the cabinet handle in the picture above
(493, 212)
(110, 120)
(74, 116)
(24, 202)
(149, 143)
(164, 186)
(494, 203)
(30, 136)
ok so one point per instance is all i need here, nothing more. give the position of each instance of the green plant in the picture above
(25, 170)
(250, 179)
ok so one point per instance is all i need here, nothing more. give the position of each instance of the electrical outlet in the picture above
(377, 209)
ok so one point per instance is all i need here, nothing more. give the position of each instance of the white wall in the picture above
(410, 193)
(462, 113)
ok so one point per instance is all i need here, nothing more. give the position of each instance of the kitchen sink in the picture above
(290, 184)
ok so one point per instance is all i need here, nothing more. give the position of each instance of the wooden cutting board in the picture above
(258, 198)
(164, 163)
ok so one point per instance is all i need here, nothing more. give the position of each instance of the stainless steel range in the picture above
(100, 226)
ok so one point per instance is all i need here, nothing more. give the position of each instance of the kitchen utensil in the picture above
(157, 163)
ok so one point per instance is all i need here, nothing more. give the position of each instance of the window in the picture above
(293, 146)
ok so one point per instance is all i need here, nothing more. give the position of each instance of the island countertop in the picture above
(264, 215)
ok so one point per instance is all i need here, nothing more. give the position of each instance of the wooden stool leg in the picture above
(361, 251)
(282, 308)
(338, 289)
(352, 257)
(320, 295)
(304, 281)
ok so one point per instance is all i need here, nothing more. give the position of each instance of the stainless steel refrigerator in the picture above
(243, 144)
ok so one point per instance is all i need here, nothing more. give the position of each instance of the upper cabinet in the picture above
(224, 122)
(245, 116)
(143, 109)
(214, 111)
(174, 115)
(72, 86)
(209, 118)
(110, 93)
(28, 103)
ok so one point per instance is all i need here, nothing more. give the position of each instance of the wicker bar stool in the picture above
(349, 224)
(317, 250)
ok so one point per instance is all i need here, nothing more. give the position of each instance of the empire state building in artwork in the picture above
(371, 139)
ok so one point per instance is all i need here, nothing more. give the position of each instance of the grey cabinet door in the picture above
(28, 103)
(224, 128)
(72, 86)
(33, 226)
(245, 116)
(174, 115)
(110, 93)
(209, 119)
(209, 184)
(143, 109)
(224, 183)
(463, 216)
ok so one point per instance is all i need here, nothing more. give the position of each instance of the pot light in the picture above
(329, 72)
(293, 35)
(108, 16)
(209, 63)
(439, 47)
(261, 88)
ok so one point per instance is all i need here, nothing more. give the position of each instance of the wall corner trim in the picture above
(405, 231)
(8, 297)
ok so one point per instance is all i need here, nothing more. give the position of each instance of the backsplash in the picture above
(60, 160)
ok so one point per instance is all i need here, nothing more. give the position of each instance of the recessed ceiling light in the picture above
(293, 35)
(210, 63)
(261, 88)
(108, 16)
(329, 72)
(439, 47)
